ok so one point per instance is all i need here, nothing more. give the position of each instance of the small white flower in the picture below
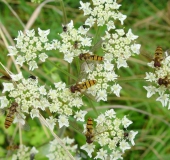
(60, 86)
(20, 60)
(43, 57)
(121, 18)
(120, 32)
(32, 65)
(42, 90)
(16, 77)
(43, 33)
(151, 77)
(121, 63)
(89, 148)
(100, 119)
(90, 21)
(126, 122)
(12, 51)
(101, 95)
(108, 57)
(7, 87)
(4, 102)
(51, 122)
(33, 150)
(79, 115)
(110, 113)
(63, 121)
(136, 48)
(163, 99)
(102, 154)
(130, 35)
(150, 90)
(85, 7)
(69, 57)
(30, 33)
(34, 113)
(116, 155)
(124, 145)
(108, 66)
(116, 89)
(131, 136)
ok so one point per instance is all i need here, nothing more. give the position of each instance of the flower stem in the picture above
(96, 36)
(132, 78)
(93, 107)
(69, 71)
(56, 137)
(20, 134)
(64, 12)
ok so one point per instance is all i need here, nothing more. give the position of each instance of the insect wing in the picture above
(167, 52)
(2, 111)
(20, 118)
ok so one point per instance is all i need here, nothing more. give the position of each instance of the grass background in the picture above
(150, 20)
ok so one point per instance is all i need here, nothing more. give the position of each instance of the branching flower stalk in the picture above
(56, 137)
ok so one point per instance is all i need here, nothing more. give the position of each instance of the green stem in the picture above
(63, 71)
(92, 106)
(136, 78)
(77, 64)
(64, 12)
(69, 71)
(96, 36)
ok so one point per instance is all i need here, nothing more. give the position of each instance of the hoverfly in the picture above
(12, 113)
(12, 147)
(79, 87)
(158, 57)
(88, 56)
(89, 131)
(164, 81)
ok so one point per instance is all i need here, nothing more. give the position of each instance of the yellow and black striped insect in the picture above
(88, 56)
(10, 116)
(12, 113)
(164, 81)
(79, 87)
(12, 147)
(158, 57)
(89, 131)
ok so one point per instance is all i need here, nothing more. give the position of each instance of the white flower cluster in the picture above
(111, 134)
(57, 152)
(118, 47)
(105, 75)
(73, 42)
(104, 12)
(27, 93)
(29, 47)
(66, 104)
(25, 153)
(160, 79)
(31, 97)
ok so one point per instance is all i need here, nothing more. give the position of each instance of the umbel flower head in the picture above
(24, 153)
(109, 133)
(31, 97)
(30, 47)
(27, 93)
(160, 81)
(57, 152)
